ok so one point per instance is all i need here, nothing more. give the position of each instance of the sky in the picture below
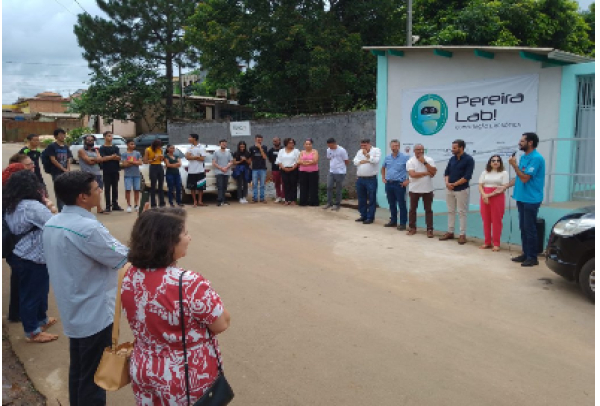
(39, 48)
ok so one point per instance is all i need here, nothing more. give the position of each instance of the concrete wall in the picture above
(346, 128)
(48, 106)
(125, 128)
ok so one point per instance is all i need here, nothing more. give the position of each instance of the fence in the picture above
(17, 131)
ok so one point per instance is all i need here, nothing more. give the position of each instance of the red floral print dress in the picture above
(150, 298)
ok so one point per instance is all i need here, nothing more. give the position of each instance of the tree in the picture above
(145, 32)
(127, 91)
(590, 18)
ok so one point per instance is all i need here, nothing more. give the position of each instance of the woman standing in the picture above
(241, 159)
(154, 157)
(493, 182)
(288, 164)
(173, 176)
(309, 175)
(26, 211)
(150, 296)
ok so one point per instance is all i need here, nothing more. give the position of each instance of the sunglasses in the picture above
(495, 160)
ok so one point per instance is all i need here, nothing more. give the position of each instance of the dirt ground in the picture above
(327, 311)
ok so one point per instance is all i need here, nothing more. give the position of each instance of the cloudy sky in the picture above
(39, 49)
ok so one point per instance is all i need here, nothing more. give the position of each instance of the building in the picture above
(489, 96)
(45, 102)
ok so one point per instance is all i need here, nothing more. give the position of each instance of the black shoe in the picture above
(520, 258)
(390, 224)
(117, 208)
(360, 219)
(402, 227)
(530, 262)
(368, 222)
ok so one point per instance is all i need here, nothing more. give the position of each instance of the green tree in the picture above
(127, 91)
(147, 32)
(590, 18)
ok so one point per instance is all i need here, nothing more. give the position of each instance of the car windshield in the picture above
(119, 141)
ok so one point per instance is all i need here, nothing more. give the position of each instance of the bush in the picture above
(75, 133)
(46, 141)
(323, 193)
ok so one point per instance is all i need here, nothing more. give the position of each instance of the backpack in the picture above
(10, 240)
(46, 163)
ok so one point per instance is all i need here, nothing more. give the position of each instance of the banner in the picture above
(239, 128)
(490, 116)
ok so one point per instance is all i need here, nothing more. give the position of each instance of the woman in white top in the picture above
(493, 182)
(288, 164)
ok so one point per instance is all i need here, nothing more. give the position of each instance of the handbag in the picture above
(113, 371)
(220, 392)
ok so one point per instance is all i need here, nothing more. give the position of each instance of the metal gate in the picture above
(584, 182)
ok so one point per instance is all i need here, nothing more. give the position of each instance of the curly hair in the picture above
(22, 185)
(154, 236)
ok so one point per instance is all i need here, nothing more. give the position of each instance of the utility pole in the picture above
(409, 41)
(180, 88)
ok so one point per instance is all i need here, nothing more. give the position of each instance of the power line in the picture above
(44, 63)
(84, 10)
(65, 7)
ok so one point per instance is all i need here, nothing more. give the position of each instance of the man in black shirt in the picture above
(258, 153)
(60, 157)
(33, 152)
(272, 154)
(111, 166)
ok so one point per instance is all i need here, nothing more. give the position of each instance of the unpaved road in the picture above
(326, 311)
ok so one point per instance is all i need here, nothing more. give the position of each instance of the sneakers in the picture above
(128, 209)
(225, 204)
(278, 200)
(335, 208)
(136, 207)
(326, 207)
(243, 201)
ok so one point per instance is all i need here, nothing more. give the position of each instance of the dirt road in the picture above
(326, 311)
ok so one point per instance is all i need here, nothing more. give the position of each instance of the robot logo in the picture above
(429, 114)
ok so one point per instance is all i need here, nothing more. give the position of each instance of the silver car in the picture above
(77, 145)
(211, 180)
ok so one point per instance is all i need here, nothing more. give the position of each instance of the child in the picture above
(132, 160)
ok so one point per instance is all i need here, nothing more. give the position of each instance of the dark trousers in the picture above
(157, 183)
(34, 286)
(414, 203)
(59, 203)
(85, 354)
(111, 189)
(527, 222)
(290, 185)
(174, 186)
(396, 197)
(222, 181)
(366, 189)
(242, 186)
(309, 188)
(13, 301)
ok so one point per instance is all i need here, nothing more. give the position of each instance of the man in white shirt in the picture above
(338, 160)
(196, 180)
(421, 169)
(367, 163)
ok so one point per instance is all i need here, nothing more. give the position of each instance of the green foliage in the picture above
(46, 141)
(144, 32)
(75, 133)
(323, 194)
(126, 92)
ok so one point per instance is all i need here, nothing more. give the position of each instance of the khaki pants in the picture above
(458, 200)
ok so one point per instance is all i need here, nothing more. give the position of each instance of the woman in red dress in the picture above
(150, 297)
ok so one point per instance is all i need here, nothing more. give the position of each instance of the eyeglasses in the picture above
(495, 160)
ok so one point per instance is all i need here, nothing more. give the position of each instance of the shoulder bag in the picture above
(220, 393)
(113, 371)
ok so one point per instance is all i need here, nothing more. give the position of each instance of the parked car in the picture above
(570, 251)
(211, 180)
(77, 145)
(143, 141)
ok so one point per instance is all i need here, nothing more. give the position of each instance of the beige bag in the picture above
(113, 371)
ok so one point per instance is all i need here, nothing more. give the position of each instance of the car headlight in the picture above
(573, 226)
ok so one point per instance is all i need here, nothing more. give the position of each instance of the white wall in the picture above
(421, 68)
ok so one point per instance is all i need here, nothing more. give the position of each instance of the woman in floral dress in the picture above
(150, 297)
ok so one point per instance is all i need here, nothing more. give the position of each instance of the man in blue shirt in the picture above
(529, 193)
(395, 178)
(457, 175)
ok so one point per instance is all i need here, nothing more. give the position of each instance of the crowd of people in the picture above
(85, 286)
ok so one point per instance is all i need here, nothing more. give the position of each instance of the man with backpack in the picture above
(56, 159)
(31, 149)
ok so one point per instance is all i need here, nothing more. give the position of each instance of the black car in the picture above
(143, 141)
(570, 251)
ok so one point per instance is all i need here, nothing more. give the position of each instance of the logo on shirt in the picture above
(429, 114)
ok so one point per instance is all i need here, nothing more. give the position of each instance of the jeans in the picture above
(366, 189)
(85, 354)
(414, 203)
(59, 203)
(13, 301)
(290, 185)
(458, 199)
(396, 196)
(174, 185)
(111, 185)
(528, 223)
(278, 184)
(222, 181)
(309, 188)
(335, 180)
(258, 175)
(34, 286)
(157, 182)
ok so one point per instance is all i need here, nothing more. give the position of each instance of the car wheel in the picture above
(587, 279)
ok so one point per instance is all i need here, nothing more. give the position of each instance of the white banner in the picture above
(239, 128)
(489, 115)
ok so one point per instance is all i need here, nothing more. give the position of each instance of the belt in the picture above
(368, 177)
(396, 181)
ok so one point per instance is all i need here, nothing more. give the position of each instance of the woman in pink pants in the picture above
(493, 182)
